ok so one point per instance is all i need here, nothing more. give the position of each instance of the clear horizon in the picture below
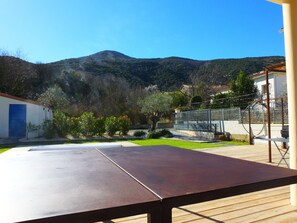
(49, 31)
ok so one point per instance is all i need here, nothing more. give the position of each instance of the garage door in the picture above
(17, 120)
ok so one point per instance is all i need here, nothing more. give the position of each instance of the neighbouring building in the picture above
(276, 79)
(16, 114)
(220, 89)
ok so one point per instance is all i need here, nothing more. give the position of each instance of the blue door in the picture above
(17, 120)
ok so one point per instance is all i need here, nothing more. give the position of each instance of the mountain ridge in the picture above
(112, 54)
(25, 79)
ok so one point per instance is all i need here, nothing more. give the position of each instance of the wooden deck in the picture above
(269, 206)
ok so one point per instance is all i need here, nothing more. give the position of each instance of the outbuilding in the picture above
(17, 114)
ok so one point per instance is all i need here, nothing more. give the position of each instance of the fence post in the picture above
(250, 128)
(283, 120)
(209, 119)
(283, 115)
(188, 124)
(223, 120)
(268, 115)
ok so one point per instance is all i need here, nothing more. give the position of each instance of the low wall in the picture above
(238, 131)
(234, 127)
(198, 134)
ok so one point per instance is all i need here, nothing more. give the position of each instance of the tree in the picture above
(17, 77)
(179, 99)
(244, 89)
(54, 97)
(196, 101)
(222, 100)
(156, 105)
(199, 88)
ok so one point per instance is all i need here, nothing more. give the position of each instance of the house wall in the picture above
(36, 114)
(280, 83)
(277, 84)
(261, 81)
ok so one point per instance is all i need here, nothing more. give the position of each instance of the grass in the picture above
(142, 142)
(2, 150)
(184, 144)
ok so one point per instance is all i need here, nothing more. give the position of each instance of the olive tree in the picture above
(54, 97)
(156, 105)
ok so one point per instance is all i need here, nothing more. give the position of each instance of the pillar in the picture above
(290, 32)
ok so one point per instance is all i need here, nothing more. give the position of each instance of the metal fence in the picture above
(258, 112)
(212, 120)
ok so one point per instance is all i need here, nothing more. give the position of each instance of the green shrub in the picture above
(111, 125)
(166, 133)
(100, 126)
(49, 130)
(157, 134)
(74, 126)
(139, 133)
(154, 135)
(61, 124)
(87, 124)
(124, 124)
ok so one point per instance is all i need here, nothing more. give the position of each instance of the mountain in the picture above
(168, 73)
(74, 76)
(105, 55)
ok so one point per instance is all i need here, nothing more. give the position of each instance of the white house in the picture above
(16, 113)
(276, 79)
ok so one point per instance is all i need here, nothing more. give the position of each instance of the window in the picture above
(263, 89)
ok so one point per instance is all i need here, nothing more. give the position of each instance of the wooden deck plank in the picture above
(268, 206)
(248, 214)
(290, 217)
(238, 205)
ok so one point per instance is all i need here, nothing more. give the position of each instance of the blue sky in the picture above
(51, 30)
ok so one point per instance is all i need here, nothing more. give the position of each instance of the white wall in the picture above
(3, 118)
(280, 85)
(277, 84)
(36, 114)
(259, 82)
(234, 127)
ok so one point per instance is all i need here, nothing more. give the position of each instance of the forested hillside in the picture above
(113, 81)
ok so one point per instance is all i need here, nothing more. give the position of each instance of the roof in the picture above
(22, 99)
(278, 67)
(221, 88)
(276, 1)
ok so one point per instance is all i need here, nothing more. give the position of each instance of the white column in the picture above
(290, 32)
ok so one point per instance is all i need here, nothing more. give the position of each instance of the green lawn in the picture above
(151, 142)
(3, 149)
(184, 144)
